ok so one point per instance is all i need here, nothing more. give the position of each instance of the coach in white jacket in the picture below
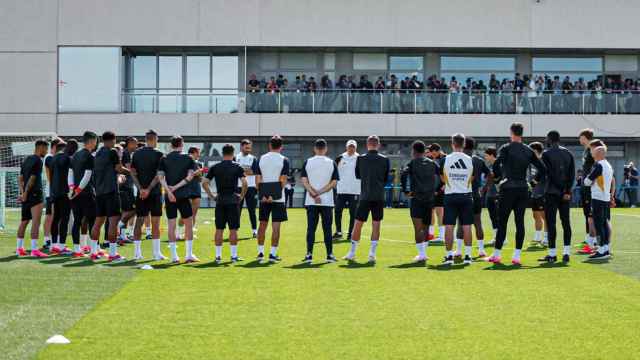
(348, 187)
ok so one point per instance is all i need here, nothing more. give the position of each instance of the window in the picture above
(225, 84)
(198, 83)
(477, 68)
(89, 79)
(143, 79)
(586, 68)
(369, 61)
(170, 84)
(406, 63)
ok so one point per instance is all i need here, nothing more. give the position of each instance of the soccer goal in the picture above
(14, 147)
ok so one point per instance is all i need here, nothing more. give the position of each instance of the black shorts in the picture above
(277, 210)
(438, 200)
(458, 207)
(108, 205)
(537, 203)
(227, 214)
(194, 196)
(585, 199)
(84, 204)
(48, 206)
(183, 205)
(477, 204)
(421, 209)
(376, 208)
(127, 200)
(26, 208)
(151, 205)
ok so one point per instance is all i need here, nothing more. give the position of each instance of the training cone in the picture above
(146, 267)
(58, 339)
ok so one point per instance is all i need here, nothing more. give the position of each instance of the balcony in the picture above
(436, 102)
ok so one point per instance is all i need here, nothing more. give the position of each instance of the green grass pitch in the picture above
(393, 310)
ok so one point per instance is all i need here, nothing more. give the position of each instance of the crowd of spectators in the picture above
(522, 94)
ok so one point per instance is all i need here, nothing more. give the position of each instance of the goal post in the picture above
(14, 148)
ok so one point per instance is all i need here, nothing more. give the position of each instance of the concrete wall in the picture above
(344, 125)
(335, 23)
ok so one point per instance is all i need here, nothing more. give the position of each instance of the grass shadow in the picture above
(558, 264)
(302, 266)
(82, 263)
(505, 267)
(443, 267)
(533, 248)
(125, 263)
(165, 266)
(357, 265)
(14, 257)
(56, 260)
(256, 264)
(211, 264)
(410, 265)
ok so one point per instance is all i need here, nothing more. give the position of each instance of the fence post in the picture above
(346, 93)
(415, 102)
(313, 102)
(381, 100)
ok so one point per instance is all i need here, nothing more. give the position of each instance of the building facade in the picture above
(183, 67)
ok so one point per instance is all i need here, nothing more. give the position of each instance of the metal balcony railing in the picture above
(229, 100)
(444, 102)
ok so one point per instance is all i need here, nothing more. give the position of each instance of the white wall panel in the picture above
(28, 25)
(28, 82)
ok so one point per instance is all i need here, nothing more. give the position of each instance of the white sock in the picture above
(546, 237)
(174, 250)
(155, 245)
(449, 253)
(420, 247)
(495, 231)
(148, 232)
(94, 246)
(34, 244)
(516, 253)
(274, 251)
(137, 245)
(566, 250)
(592, 240)
(431, 229)
(467, 250)
(552, 252)
(113, 248)
(47, 238)
(76, 248)
(496, 252)
(19, 243)
(354, 246)
(480, 245)
(83, 240)
(260, 249)
(537, 235)
(441, 233)
(188, 248)
(426, 245)
(374, 247)
(218, 251)
(234, 251)
(458, 246)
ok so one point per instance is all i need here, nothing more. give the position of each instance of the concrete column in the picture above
(344, 63)
(524, 63)
(431, 64)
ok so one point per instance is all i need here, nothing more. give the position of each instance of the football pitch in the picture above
(393, 310)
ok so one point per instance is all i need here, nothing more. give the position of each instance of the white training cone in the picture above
(207, 222)
(58, 339)
(146, 267)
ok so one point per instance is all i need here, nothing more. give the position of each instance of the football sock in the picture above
(218, 251)
(137, 245)
(458, 246)
(467, 250)
(155, 243)
(188, 248)
(113, 248)
(552, 252)
(374, 247)
(480, 245)
(274, 251)
(174, 250)
(261, 249)
(354, 246)
(234, 251)
(566, 250)
(34, 244)
(516, 253)
(420, 247)
(19, 243)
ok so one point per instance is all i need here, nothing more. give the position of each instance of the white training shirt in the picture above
(320, 171)
(271, 166)
(458, 173)
(600, 180)
(348, 183)
(246, 161)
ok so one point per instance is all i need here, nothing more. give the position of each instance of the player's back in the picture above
(457, 170)
(146, 162)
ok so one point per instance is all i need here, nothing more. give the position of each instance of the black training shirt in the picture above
(59, 175)
(146, 162)
(32, 166)
(560, 170)
(512, 163)
(175, 167)
(194, 185)
(587, 161)
(226, 174)
(81, 162)
(126, 162)
(479, 168)
(422, 174)
(105, 174)
(372, 169)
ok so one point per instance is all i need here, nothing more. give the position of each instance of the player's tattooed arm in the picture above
(207, 189)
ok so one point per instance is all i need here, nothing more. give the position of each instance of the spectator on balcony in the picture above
(394, 96)
(253, 87)
(271, 101)
(519, 83)
(280, 80)
(363, 102)
(494, 88)
(311, 84)
(631, 178)
(454, 98)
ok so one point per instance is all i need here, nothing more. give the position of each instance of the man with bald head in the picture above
(372, 169)
(600, 180)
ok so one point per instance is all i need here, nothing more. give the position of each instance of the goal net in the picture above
(13, 150)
